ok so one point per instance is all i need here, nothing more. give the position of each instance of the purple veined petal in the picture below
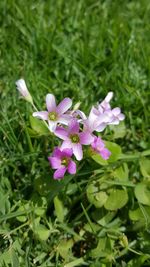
(64, 105)
(121, 116)
(108, 97)
(67, 152)
(116, 111)
(64, 119)
(57, 153)
(115, 121)
(92, 117)
(73, 126)
(54, 162)
(86, 138)
(43, 115)
(101, 127)
(52, 125)
(71, 167)
(95, 111)
(62, 133)
(77, 151)
(50, 102)
(105, 153)
(59, 174)
(66, 144)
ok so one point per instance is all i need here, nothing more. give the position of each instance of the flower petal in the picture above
(77, 151)
(105, 153)
(52, 125)
(64, 105)
(54, 162)
(73, 126)
(50, 102)
(57, 153)
(116, 111)
(101, 127)
(61, 133)
(108, 97)
(66, 144)
(66, 152)
(59, 174)
(86, 138)
(121, 116)
(64, 119)
(71, 167)
(43, 115)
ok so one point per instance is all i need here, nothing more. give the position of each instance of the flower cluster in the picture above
(75, 129)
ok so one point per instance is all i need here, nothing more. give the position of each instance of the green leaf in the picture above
(121, 173)
(119, 130)
(59, 209)
(99, 159)
(115, 151)
(14, 258)
(96, 197)
(116, 200)
(41, 231)
(135, 215)
(64, 248)
(142, 193)
(145, 167)
(38, 126)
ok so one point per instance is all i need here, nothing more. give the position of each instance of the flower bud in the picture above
(22, 88)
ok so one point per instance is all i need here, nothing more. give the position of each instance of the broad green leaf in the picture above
(64, 248)
(135, 215)
(142, 193)
(99, 159)
(115, 151)
(119, 130)
(145, 167)
(59, 209)
(116, 200)
(41, 231)
(101, 198)
(38, 126)
(14, 258)
(142, 213)
(121, 173)
(96, 197)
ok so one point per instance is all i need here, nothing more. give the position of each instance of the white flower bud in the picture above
(22, 88)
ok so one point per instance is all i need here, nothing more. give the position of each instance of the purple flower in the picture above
(55, 114)
(22, 88)
(106, 115)
(99, 147)
(62, 162)
(73, 138)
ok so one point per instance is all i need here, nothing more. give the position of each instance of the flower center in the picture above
(52, 116)
(74, 138)
(65, 161)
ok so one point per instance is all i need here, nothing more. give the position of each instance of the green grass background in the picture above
(79, 49)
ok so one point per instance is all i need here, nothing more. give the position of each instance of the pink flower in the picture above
(61, 161)
(22, 88)
(73, 138)
(55, 114)
(99, 147)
